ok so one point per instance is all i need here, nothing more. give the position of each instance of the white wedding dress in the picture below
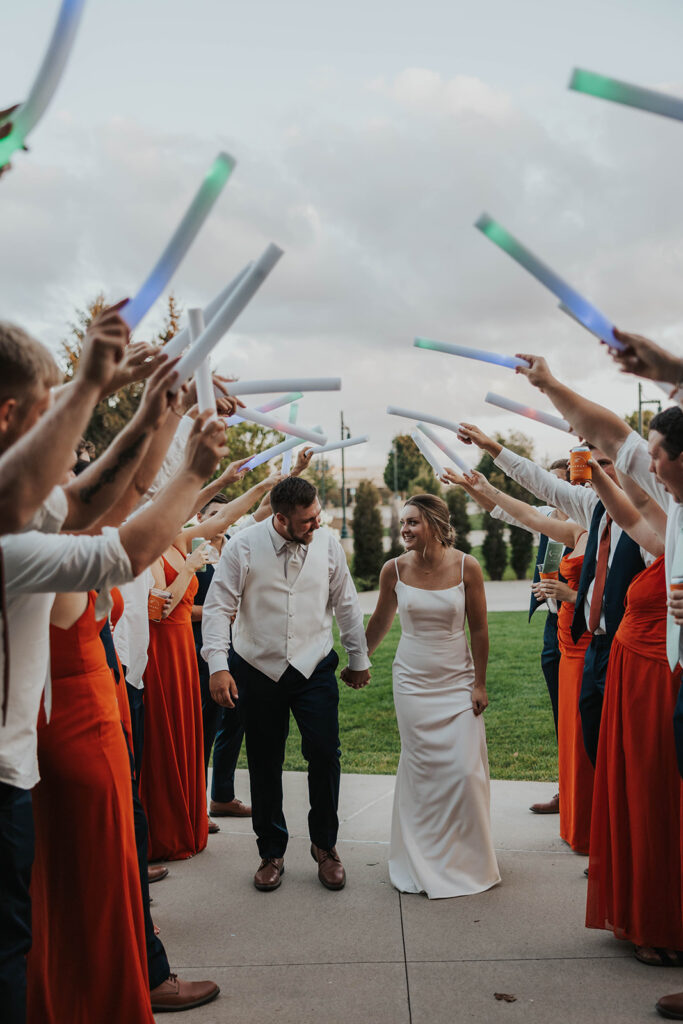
(441, 828)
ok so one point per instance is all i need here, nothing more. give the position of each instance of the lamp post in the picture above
(323, 489)
(345, 432)
(645, 401)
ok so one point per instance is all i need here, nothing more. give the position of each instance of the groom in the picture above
(284, 578)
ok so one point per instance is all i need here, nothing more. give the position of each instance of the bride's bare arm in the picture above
(383, 615)
(475, 609)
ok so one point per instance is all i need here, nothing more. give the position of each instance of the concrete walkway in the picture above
(501, 596)
(368, 955)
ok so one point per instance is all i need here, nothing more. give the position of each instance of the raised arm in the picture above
(385, 609)
(643, 358)
(645, 525)
(599, 425)
(220, 521)
(565, 531)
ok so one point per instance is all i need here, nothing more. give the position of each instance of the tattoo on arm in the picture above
(107, 476)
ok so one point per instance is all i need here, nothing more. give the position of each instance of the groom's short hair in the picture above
(291, 493)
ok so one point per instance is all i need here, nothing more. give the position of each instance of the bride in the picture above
(441, 831)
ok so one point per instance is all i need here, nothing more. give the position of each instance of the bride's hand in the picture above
(480, 700)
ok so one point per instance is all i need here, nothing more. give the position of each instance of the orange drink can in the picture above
(155, 603)
(676, 583)
(579, 470)
(549, 575)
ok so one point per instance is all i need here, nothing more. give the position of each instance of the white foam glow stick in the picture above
(411, 414)
(181, 340)
(264, 387)
(49, 74)
(271, 453)
(527, 410)
(228, 313)
(334, 445)
(453, 456)
(206, 400)
(470, 353)
(254, 416)
(275, 403)
(287, 457)
(428, 453)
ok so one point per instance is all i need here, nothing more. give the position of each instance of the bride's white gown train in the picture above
(441, 828)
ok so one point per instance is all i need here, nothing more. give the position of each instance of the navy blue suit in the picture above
(627, 562)
(550, 655)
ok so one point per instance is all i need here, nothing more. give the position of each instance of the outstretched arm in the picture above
(645, 525)
(565, 531)
(643, 358)
(600, 426)
(385, 609)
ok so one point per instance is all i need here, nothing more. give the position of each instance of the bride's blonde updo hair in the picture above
(435, 513)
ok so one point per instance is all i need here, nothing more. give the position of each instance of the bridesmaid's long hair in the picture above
(435, 513)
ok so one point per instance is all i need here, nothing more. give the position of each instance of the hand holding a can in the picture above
(675, 600)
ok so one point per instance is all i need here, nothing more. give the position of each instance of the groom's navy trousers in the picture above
(264, 708)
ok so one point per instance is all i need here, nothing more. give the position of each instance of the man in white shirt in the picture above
(284, 578)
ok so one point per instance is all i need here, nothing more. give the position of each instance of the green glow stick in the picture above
(630, 95)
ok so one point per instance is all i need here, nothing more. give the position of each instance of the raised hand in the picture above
(157, 399)
(471, 434)
(199, 557)
(452, 476)
(140, 360)
(103, 348)
(538, 372)
(233, 472)
(206, 446)
(303, 461)
(643, 358)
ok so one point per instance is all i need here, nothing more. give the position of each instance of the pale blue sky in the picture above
(369, 136)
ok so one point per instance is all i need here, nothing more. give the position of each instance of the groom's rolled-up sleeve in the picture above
(221, 604)
(347, 611)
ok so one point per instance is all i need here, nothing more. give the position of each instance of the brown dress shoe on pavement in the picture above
(269, 874)
(155, 872)
(671, 1007)
(232, 809)
(213, 828)
(174, 994)
(552, 807)
(330, 869)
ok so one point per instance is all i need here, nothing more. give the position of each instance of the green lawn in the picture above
(519, 723)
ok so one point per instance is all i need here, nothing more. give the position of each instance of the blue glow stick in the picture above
(428, 454)
(592, 319)
(452, 455)
(25, 118)
(181, 240)
(527, 410)
(179, 342)
(624, 92)
(287, 457)
(470, 353)
(271, 453)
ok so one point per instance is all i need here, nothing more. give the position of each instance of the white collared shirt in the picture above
(37, 565)
(227, 585)
(131, 633)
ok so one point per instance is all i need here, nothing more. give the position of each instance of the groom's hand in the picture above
(355, 679)
(223, 689)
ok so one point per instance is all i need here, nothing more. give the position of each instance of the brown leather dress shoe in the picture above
(671, 1007)
(232, 809)
(155, 872)
(213, 828)
(330, 868)
(269, 874)
(552, 807)
(174, 994)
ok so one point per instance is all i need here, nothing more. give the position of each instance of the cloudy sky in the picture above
(369, 136)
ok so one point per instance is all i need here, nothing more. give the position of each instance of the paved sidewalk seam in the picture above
(405, 959)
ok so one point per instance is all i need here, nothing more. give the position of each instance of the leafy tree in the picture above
(456, 499)
(409, 463)
(521, 541)
(367, 536)
(494, 548)
(425, 482)
(323, 477)
(112, 413)
(648, 414)
(395, 546)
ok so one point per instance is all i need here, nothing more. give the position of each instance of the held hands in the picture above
(206, 446)
(675, 606)
(223, 689)
(356, 679)
(480, 700)
(538, 373)
(645, 359)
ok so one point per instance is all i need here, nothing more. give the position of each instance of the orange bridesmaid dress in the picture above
(88, 962)
(575, 770)
(634, 881)
(172, 781)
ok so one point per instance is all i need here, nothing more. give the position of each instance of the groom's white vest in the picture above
(277, 624)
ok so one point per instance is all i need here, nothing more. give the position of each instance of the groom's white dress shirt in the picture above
(284, 595)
